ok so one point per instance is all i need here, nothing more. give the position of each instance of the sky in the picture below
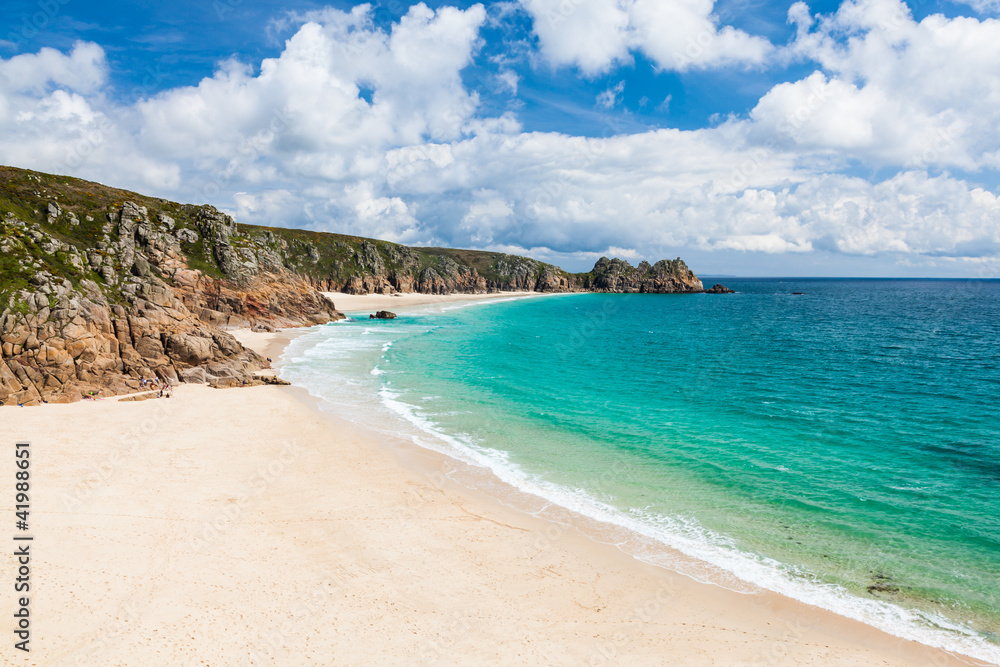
(749, 137)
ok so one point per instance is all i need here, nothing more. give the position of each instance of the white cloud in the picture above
(668, 189)
(683, 34)
(311, 93)
(508, 80)
(54, 116)
(596, 35)
(270, 205)
(610, 97)
(84, 70)
(294, 142)
(985, 7)
(487, 212)
(386, 218)
(894, 92)
(591, 34)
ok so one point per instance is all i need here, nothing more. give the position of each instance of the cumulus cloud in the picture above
(83, 70)
(595, 35)
(892, 91)
(55, 116)
(591, 34)
(710, 190)
(365, 127)
(312, 92)
(683, 34)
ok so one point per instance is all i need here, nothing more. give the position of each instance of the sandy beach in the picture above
(353, 303)
(245, 526)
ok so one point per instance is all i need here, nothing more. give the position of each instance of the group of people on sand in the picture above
(155, 384)
(165, 391)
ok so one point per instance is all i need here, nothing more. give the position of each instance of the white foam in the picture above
(683, 534)
(687, 536)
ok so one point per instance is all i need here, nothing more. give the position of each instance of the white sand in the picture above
(354, 303)
(242, 526)
(267, 344)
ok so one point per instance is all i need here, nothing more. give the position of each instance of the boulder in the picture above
(189, 349)
(52, 212)
(719, 289)
(382, 315)
(140, 268)
(196, 375)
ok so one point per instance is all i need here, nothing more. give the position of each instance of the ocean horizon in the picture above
(830, 439)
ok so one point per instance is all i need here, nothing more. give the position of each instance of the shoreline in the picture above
(323, 540)
(404, 301)
(473, 480)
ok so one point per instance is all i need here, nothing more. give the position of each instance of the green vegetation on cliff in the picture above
(81, 214)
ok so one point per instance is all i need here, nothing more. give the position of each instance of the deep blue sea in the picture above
(840, 446)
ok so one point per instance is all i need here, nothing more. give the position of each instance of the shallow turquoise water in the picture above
(840, 446)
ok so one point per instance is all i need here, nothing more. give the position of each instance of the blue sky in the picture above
(749, 137)
(178, 44)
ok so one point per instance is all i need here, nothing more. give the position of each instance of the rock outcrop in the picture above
(382, 315)
(137, 310)
(664, 277)
(719, 288)
(63, 344)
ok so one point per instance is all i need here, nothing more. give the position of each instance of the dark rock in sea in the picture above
(719, 289)
(382, 315)
(798, 293)
(882, 583)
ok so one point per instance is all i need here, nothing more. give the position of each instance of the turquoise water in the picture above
(841, 446)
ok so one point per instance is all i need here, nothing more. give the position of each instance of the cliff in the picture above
(666, 276)
(101, 287)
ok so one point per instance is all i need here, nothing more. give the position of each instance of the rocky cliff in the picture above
(96, 295)
(101, 287)
(664, 277)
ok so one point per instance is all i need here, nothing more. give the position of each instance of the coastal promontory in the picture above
(103, 290)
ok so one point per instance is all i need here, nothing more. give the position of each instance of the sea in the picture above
(833, 440)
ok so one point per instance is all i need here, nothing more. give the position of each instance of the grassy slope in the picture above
(26, 194)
